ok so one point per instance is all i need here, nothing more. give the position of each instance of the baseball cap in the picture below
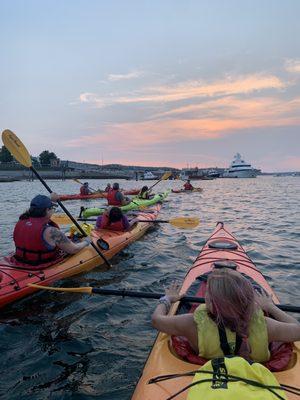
(41, 201)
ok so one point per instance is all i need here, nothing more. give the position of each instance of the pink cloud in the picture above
(189, 90)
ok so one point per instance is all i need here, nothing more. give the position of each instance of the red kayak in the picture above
(98, 195)
(198, 190)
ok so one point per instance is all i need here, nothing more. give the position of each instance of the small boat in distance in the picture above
(240, 169)
(148, 175)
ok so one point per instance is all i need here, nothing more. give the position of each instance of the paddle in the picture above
(143, 295)
(165, 176)
(93, 190)
(20, 153)
(178, 222)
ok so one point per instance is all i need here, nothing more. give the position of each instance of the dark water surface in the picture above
(69, 346)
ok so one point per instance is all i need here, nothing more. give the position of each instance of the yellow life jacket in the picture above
(215, 382)
(209, 339)
(87, 228)
(143, 195)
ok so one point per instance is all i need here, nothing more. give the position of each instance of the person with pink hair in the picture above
(231, 322)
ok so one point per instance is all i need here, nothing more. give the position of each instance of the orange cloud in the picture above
(189, 90)
(134, 135)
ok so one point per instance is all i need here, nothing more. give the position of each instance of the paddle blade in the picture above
(86, 289)
(166, 176)
(61, 219)
(78, 181)
(185, 222)
(16, 148)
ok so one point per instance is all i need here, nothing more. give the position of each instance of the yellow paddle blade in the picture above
(78, 181)
(166, 176)
(185, 222)
(86, 289)
(61, 219)
(16, 148)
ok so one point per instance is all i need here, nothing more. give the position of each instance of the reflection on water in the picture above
(71, 346)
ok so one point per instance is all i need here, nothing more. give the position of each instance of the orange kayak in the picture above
(100, 195)
(15, 276)
(220, 249)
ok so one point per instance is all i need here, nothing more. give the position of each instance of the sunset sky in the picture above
(160, 82)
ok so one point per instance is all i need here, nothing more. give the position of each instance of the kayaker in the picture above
(37, 238)
(113, 219)
(84, 189)
(108, 188)
(233, 306)
(188, 185)
(116, 198)
(144, 193)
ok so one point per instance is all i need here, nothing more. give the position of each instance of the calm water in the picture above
(68, 346)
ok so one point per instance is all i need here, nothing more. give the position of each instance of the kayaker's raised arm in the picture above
(281, 326)
(177, 324)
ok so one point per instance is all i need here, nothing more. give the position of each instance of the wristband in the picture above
(166, 301)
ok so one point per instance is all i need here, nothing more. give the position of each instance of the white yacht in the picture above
(240, 169)
(148, 175)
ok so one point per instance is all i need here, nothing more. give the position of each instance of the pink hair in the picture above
(231, 298)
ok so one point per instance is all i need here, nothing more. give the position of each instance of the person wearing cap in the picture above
(116, 198)
(84, 189)
(39, 240)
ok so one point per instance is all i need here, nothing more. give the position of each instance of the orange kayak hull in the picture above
(14, 278)
(163, 360)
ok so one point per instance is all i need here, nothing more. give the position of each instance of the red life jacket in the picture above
(30, 245)
(113, 226)
(84, 190)
(188, 186)
(111, 198)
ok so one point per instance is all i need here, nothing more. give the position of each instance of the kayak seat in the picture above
(222, 245)
(280, 353)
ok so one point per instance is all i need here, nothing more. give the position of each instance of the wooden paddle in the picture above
(21, 154)
(144, 295)
(165, 176)
(178, 222)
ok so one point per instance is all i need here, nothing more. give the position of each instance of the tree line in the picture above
(44, 158)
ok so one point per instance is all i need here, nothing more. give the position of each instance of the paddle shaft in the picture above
(140, 220)
(185, 299)
(70, 216)
(151, 187)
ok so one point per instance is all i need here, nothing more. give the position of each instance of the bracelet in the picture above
(166, 302)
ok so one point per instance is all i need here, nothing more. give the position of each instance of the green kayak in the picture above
(134, 205)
